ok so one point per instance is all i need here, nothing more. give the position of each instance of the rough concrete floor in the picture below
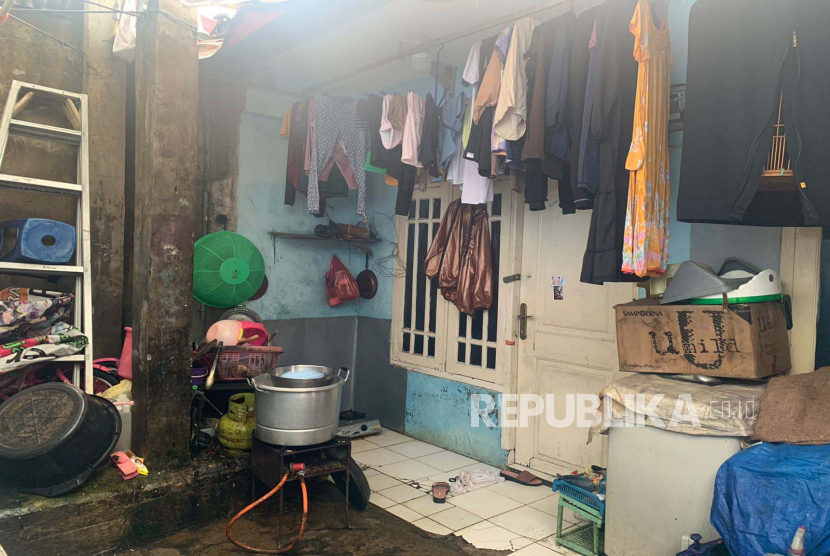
(375, 533)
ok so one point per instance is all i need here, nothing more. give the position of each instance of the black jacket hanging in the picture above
(612, 122)
(741, 59)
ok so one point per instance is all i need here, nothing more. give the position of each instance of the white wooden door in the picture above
(570, 346)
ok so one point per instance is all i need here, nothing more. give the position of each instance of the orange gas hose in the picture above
(260, 501)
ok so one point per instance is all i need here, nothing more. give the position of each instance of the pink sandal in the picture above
(439, 492)
(523, 478)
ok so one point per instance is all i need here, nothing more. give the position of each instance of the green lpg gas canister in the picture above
(236, 427)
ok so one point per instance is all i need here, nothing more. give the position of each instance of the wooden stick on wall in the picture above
(71, 113)
(22, 103)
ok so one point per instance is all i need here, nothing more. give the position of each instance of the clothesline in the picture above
(438, 43)
(552, 100)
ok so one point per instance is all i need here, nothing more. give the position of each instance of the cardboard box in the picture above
(741, 341)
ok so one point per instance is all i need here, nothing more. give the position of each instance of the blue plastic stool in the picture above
(40, 241)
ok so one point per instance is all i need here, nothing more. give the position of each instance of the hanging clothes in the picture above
(452, 122)
(393, 119)
(336, 118)
(296, 151)
(476, 188)
(340, 159)
(369, 167)
(403, 175)
(646, 246)
(460, 257)
(413, 130)
(744, 57)
(475, 143)
(612, 122)
(470, 77)
(538, 63)
(428, 153)
(557, 137)
(489, 90)
(285, 127)
(584, 154)
(511, 109)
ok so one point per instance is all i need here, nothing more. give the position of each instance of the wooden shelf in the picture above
(360, 243)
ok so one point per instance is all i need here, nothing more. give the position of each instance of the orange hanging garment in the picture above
(646, 243)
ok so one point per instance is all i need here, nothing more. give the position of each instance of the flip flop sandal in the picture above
(439, 492)
(523, 478)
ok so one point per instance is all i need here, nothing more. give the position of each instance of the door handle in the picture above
(523, 316)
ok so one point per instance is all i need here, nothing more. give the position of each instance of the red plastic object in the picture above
(254, 329)
(297, 467)
(340, 284)
(125, 465)
(125, 364)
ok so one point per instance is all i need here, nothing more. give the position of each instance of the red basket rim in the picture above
(253, 349)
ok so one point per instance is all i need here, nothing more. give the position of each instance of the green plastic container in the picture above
(227, 269)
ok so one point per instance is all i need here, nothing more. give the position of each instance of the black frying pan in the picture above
(367, 282)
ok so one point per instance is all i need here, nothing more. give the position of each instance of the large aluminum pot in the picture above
(297, 416)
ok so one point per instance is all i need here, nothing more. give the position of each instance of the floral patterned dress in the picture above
(646, 243)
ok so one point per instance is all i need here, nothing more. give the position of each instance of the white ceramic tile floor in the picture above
(409, 470)
(484, 503)
(431, 527)
(490, 536)
(380, 482)
(380, 501)
(378, 457)
(536, 550)
(361, 445)
(401, 493)
(415, 449)
(528, 522)
(455, 518)
(447, 461)
(521, 493)
(505, 516)
(387, 438)
(425, 506)
(369, 471)
(404, 513)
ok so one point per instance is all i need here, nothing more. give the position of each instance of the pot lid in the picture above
(38, 419)
(241, 313)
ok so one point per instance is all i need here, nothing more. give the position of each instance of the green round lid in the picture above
(227, 269)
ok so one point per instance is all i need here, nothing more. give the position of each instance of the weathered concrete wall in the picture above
(165, 195)
(105, 82)
(109, 512)
(221, 104)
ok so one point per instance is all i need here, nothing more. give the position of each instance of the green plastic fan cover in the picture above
(227, 269)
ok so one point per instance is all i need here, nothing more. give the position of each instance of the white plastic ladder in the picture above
(78, 135)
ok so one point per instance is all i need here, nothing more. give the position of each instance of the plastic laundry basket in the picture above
(227, 269)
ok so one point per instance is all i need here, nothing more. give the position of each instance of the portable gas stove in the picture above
(354, 424)
(269, 463)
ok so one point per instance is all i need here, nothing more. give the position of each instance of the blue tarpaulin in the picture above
(763, 494)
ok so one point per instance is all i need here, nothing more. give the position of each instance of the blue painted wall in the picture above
(438, 412)
(296, 268)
